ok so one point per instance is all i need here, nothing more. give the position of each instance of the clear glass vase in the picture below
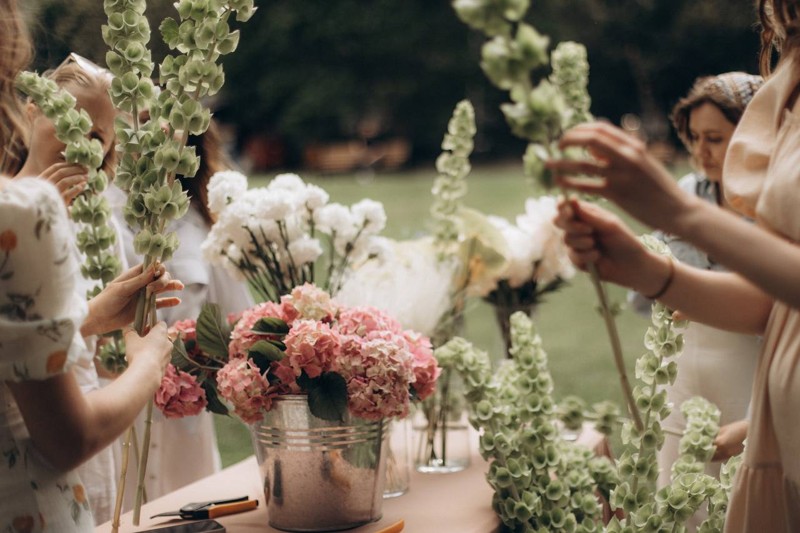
(398, 458)
(441, 430)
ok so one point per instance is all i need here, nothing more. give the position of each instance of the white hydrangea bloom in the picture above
(225, 187)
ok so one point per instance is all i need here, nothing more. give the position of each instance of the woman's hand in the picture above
(115, 307)
(730, 440)
(69, 178)
(597, 236)
(154, 349)
(627, 174)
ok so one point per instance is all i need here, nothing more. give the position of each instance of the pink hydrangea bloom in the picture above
(180, 394)
(308, 302)
(242, 336)
(187, 330)
(363, 320)
(312, 347)
(240, 383)
(426, 370)
(378, 374)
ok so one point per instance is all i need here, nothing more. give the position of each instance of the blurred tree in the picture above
(314, 70)
(645, 54)
(63, 26)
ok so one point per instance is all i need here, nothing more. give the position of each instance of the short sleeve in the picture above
(777, 206)
(40, 309)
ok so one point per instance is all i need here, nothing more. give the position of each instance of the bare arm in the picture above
(723, 300)
(68, 427)
(767, 260)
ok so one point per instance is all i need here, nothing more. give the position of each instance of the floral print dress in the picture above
(40, 317)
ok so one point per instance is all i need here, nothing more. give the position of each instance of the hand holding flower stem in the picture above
(540, 114)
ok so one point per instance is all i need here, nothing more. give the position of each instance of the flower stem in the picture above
(126, 447)
(616, 347)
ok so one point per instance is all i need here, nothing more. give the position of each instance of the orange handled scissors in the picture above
(212, 509)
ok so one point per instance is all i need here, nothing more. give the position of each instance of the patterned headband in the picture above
(737, 87)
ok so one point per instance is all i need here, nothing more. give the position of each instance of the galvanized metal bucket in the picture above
(319, 475)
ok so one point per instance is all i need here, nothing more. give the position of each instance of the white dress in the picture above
(40, 317)
(185, 450)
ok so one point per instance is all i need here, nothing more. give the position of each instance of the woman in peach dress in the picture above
(761, 296)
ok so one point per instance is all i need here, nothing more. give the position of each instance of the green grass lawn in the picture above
(568, 321)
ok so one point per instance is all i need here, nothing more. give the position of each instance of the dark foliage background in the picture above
(325, 70)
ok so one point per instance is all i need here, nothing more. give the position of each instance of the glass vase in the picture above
(441, 430)
(398, 458)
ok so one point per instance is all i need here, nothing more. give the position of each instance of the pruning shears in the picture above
(212, 509)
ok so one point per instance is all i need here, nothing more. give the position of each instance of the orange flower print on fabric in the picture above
(23, 524)
(8, 241)
(79, 493)
(56, 362)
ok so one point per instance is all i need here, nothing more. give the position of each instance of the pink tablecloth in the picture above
(436, 503)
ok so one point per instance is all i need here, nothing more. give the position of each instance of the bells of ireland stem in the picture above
(490, 17)
(537, 115)
(508, 62)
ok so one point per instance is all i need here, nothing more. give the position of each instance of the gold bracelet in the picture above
(667, 282)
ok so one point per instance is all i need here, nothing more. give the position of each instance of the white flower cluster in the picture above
(273, 236)
(536, 249)
(407, 281)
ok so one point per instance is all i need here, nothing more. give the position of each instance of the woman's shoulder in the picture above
(40, 311)
(24, 194)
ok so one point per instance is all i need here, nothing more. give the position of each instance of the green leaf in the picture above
(213, 332)
(273, 326)
(327, 396)
(215, 405)
(264, 353)
(266, 349)
(180, 358)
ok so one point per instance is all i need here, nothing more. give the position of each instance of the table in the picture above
(436, 503)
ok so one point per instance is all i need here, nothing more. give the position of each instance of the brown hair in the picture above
(729, 92)
(780, 26)
(213, 159)
(15, 54)
(76, 75)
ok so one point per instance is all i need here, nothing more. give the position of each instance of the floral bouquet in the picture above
(275, 237)
(536, 263)
(346, 359)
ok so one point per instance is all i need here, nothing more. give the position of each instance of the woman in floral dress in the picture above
(47, 425)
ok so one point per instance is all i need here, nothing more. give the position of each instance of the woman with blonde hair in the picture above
(761, 295)
(15, 54)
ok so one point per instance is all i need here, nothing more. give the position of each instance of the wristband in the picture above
(667, 282)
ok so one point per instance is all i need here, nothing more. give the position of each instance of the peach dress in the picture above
(762, 180)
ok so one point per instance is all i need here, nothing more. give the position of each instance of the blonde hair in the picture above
(73, 74)
(15, 54)
(780, 29)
